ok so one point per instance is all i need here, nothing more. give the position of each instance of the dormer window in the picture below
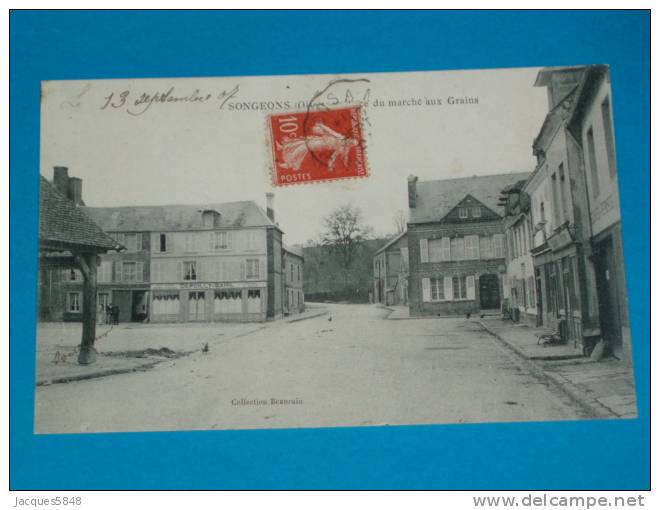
(476, 212)
(463, 212)
(210, 218)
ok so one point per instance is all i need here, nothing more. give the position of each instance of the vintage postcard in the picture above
(331, 251)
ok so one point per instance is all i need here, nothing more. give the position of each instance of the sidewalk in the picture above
(397, 312)
(604, 387)
(134, 347)
(402, 312)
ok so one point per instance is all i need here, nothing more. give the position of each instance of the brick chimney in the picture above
(61, 179)
(75, 190)
(412, 191)
(270, 211)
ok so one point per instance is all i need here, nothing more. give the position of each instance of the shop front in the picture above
(209, 302)
(557, 277)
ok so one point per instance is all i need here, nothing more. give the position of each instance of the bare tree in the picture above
(345, 232)
(400, 221)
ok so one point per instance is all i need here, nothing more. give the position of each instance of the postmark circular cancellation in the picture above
(316, 145)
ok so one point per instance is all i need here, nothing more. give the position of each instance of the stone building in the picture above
(195, 263)
(592, 127)
(558, 215)
(390, 265)
(520, 290)
(186, 263)
(456, 244)
(292, 270)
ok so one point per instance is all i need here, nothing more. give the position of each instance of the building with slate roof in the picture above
(456, 244)
(549, 232)
(592, 126)
(191, 263)
(390, 265)
(64, 229)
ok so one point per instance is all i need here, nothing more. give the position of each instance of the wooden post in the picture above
(87, 263)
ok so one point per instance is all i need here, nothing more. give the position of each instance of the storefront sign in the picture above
(560, 239)
(206, 285)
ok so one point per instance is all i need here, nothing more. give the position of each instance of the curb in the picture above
(96, 375)
(593, 407)
(298, 319)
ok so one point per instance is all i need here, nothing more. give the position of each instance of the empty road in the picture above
(359, 368)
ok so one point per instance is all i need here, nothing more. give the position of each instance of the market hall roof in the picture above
(172, 218)
(436, 199)
(63, 226)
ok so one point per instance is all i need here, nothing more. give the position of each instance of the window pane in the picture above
(190, 271)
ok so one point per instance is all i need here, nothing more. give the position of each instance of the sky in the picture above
(211, 144)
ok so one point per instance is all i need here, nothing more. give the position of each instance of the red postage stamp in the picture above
(317, 146)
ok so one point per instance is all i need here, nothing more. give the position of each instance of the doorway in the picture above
(489, 291)
(102, 302)
(124, 301)
(539, 297)
(196, 306)
(139, 311)
(608, 299)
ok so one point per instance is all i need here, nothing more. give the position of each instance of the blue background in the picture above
(612, 454)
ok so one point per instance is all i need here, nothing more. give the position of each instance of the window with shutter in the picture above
(219, 240)
(74, 302)
(437, 288)
(435, 250)
(139, 272)
(105, 272)
(498, 245)
(472, 247)
(485, 247)
(130, 242)
(446, 248)
(129, 271)
(458, 248)
(426, 290)
(470, 287)
(190, 270)
(449, 290)
(424, 250)
(252, 271)
(119, 271)
(459, 287)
